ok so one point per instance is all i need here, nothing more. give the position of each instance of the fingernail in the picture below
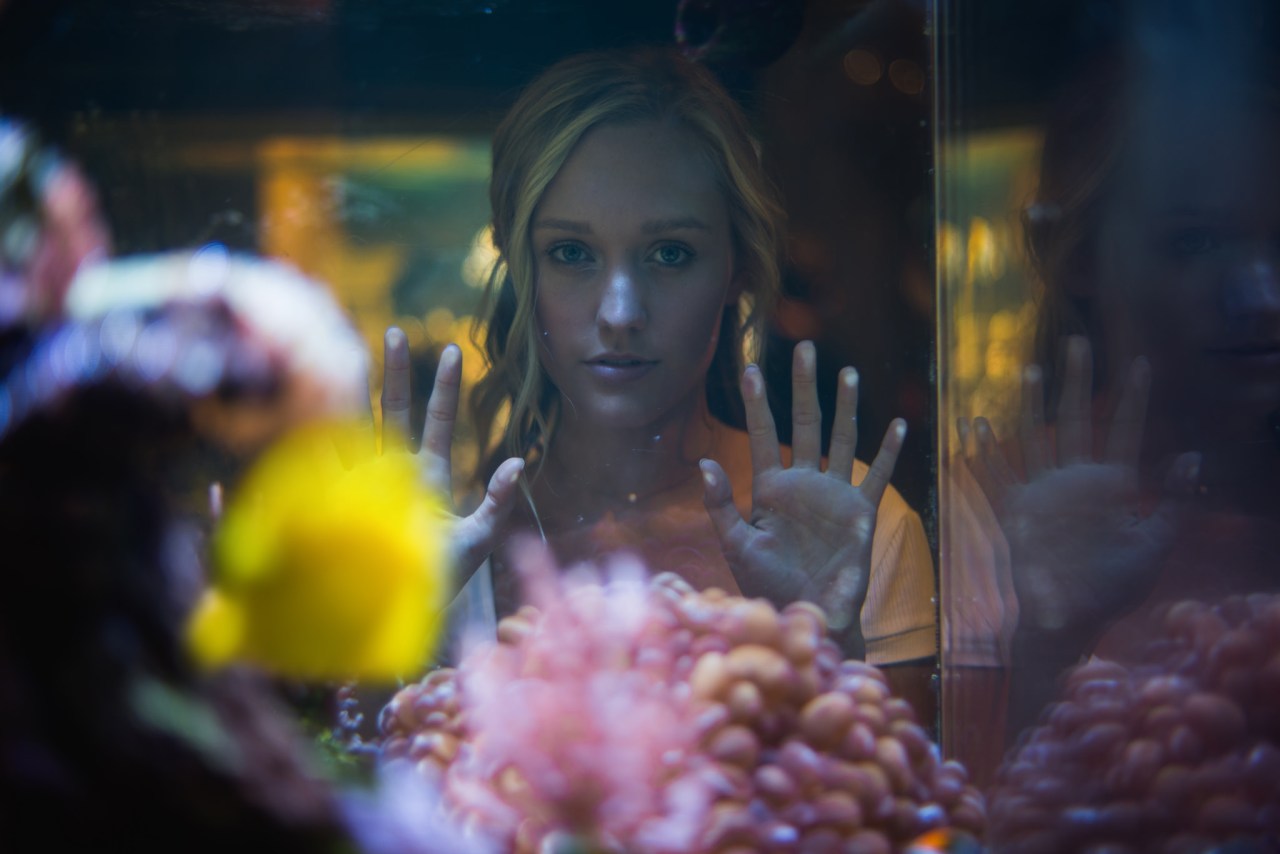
(754, 382)
(849, 377)
(395, 337)
(900, 429)
(514, 473)
(805, 352)
(707, 476)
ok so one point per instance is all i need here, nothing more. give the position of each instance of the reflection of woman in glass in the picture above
(1157, 236)
(637, 231)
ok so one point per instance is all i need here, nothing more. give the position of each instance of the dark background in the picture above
(462, 59)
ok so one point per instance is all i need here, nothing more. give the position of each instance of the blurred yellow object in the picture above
(325, 571)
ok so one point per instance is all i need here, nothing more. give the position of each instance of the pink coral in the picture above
(638, 714)
(578, 737)
(1177, 753)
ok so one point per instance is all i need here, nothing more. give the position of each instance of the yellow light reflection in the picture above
(989, 290)
(299, 183)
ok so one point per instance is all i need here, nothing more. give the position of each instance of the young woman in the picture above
(638, 239)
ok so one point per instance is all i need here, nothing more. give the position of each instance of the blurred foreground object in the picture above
(50, 227)
(244, 347)
(122, 397)
(107, 734)
(1178, 753)
(641, 715)
(326, 572)
(293, 343)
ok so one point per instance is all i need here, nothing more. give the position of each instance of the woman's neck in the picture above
(589, 470)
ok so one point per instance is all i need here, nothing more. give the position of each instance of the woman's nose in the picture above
(622, 304)
(1252, 295)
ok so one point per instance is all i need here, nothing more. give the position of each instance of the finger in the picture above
(761, 432)
(806, 414)
(395, 389)
(442, 414)
(1180, 483)
(873, 485)
(1124, 443)
(973, 460)
(999, 474)
(964, 433)
(717, 496)
(500, 493)
(479, 532)
(1035, 453)
(1183, 478)
(842, 601)
(1075, 425)
(844, 429)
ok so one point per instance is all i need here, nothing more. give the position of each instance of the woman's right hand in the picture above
(1082, 549)
(473, 536)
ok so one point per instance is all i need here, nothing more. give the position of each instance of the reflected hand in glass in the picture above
(1082, 549)
(474, 535)
(810, 530)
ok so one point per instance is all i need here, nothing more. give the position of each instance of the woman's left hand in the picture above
(810, 531)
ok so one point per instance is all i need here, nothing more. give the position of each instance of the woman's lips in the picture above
(620, 368)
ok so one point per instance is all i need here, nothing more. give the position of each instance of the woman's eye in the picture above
(1192, 241)
(671, 255)
(568, 253)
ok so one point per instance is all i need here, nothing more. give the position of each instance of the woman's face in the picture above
(635, 266)
(1190, 267)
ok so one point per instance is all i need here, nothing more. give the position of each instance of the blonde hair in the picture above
(531, 145)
